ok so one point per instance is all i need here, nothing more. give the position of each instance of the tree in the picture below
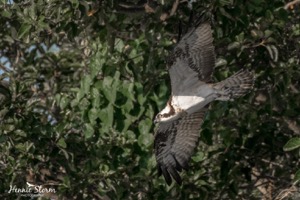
(81, 82)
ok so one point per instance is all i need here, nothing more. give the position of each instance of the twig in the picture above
(4, 68)
(292, 125)
(272, 163)
(286, 192)
(136, 10)
(174, 7)
(130, 8)
(265, 186)
(291, 4)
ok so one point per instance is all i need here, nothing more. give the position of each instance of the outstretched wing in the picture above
(192, 59)
(174, 144)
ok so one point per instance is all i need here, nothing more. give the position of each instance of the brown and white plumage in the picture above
(190, 68)
(174, 144)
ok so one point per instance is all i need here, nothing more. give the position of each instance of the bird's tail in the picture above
(235, 86)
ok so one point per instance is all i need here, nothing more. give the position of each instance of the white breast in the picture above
(197, 100)
(185, 102)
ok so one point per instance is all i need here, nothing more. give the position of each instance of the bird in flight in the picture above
(190, 66)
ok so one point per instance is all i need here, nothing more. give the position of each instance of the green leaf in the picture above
(62, 143)
(140, 95)
(86, 84)
(20, 132)
(221, 62)
(145, 140)
(64, 101)
(257, 33)
(5, 13)
(89, 131)
(24, 147)
(127, 90)
(145, 126)
(283, 14)
(130, 135)
(234, 45)
(199, 157)
(127, 122)
(267, 33)
(240, 38)
(226, 14)
(297, 176)
(106, 115)
(292, 144)
(96, 64)
(79, 96)
(226, 2)
(119, 46)
(93, 115)
(95, 95)
(3, 138)
(24, 30)
(32, 11)
(269, 15)
(110, 87)
(75, 3)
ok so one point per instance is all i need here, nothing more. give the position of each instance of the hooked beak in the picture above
(155, 120)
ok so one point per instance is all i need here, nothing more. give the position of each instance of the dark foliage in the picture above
(81, 82)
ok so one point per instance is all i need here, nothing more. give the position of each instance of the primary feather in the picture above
(190, 66)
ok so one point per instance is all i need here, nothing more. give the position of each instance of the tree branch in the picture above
(174, 7)
(291, 4)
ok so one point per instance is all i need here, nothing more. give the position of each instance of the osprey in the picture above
(190, 67)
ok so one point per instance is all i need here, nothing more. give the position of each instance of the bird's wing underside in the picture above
(193, 58)
(175, 143)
